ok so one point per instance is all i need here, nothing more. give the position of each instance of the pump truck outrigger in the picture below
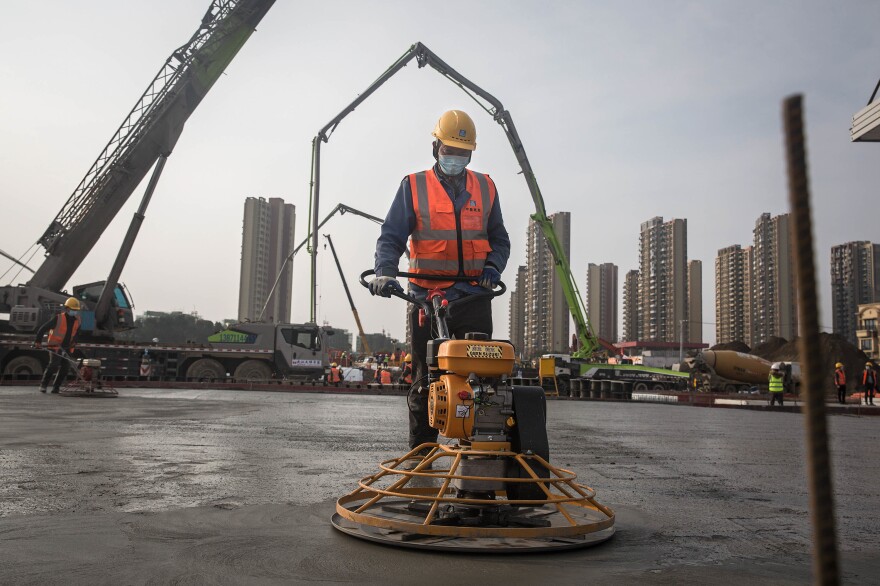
(494, 489)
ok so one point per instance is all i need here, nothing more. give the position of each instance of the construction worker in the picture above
(406, 371)
(453, 217)
(62, 328)
(840, 382)
(869, 380)
(385, 376)
(777, 386)
(334, 377)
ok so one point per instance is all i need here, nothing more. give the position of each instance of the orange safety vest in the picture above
(56, 334)
(839, 377)
(334, 375)
(434, 244)
(865, 377)
(385, 377)
(407, 374)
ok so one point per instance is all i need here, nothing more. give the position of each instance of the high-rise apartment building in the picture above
(755, 294)
(774, 295)
(546, 310)
(730, 294)
(663, 280)
(601, 300)
(855, 280)
(517, 313)
(694, 331)
(748, 310)
(267, 240)
(631, 306)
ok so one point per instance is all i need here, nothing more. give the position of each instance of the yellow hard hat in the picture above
(408, 358)
(868, 364)
(456, 129)
(333, 364)
(72, 303)
(838, 365)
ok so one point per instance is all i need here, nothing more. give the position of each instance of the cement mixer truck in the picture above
(737, 372)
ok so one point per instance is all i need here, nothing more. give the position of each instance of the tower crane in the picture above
(144, 140)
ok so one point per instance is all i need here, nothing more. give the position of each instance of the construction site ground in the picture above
(219, 486)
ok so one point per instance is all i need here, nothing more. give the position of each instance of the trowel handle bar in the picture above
(502, 288)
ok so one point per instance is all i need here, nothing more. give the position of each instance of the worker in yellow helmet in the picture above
(840, 382)
(406, 370)
(452, 218)
(62, 328)
(334, 377)
(869, 382)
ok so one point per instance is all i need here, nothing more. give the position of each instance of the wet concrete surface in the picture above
(230, 487)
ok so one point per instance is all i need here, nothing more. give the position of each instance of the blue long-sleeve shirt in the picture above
(401, 221)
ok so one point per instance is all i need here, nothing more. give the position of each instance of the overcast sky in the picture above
(627, 110)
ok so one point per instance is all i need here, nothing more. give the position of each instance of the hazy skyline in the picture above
(626, 110)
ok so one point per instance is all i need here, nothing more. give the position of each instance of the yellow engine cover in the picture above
(448, 413)
(482, 357)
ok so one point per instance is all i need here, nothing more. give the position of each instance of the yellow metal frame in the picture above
(575, 503)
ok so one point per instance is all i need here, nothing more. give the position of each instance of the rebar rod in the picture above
(825, 567)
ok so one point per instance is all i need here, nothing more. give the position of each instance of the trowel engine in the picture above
(470, 399)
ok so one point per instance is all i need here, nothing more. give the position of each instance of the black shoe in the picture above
(54, 391)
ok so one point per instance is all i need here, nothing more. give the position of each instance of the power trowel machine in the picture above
(490, 487)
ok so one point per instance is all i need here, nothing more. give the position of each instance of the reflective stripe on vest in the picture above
(56, 334)
(776, 384)
(385, 377)
(434, 244)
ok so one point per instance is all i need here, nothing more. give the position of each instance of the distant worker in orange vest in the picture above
(406, 371)
(869, 380)
(452, 218)
(840, 382)
(385, 376)
(63, 328)
(335, 375)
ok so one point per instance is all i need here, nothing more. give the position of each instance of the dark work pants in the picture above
(464, 317)
(775, 397)
(55, 361)
(841, 394)
(869, 394)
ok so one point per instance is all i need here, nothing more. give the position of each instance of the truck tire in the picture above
(659, 387)
(23, 368)
(640, 387)
(206, 369)
(252, 371)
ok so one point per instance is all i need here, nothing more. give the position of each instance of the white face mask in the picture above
(452, 165)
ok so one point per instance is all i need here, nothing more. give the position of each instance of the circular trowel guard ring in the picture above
(411, 502)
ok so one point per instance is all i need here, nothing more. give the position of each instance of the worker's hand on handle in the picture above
(384, 286)
(489, 278)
